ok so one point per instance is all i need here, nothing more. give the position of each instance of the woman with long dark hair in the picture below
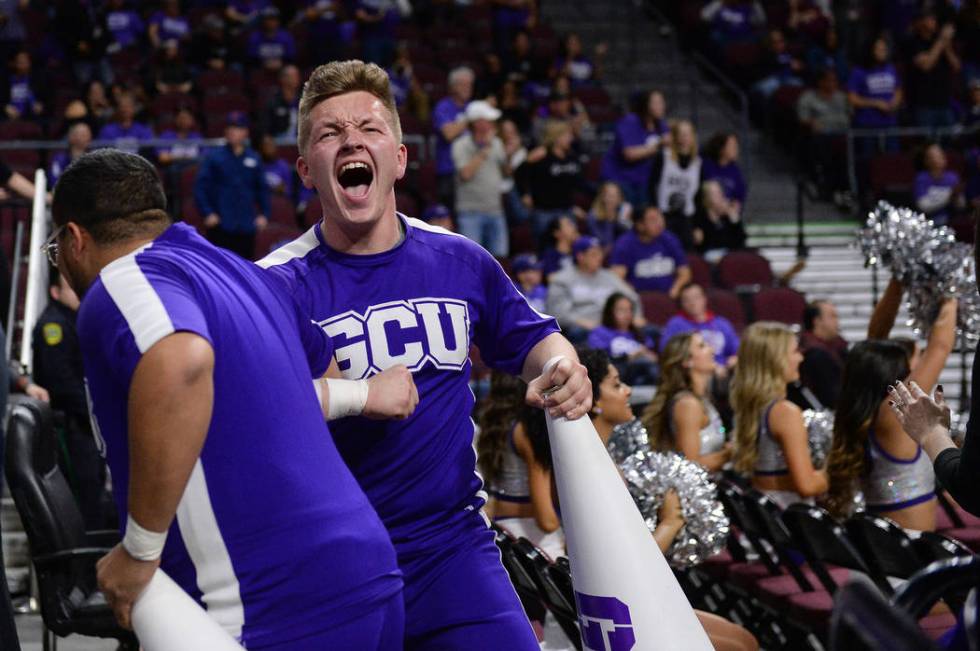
(681, 417)
(514, 458)
(871, 451)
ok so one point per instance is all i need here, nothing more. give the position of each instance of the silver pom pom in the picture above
(820, 432)
(928, 261)
(649, 475)
(627, 439)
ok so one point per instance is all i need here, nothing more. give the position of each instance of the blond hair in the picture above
(553, 130)
(760, 378)
(341, 77)
(675, 378)
(675, 129)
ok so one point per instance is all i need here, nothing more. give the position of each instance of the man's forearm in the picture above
(553, 345)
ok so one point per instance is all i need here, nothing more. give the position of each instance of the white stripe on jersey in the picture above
(295, 249)
(202, 538)
(137, 300)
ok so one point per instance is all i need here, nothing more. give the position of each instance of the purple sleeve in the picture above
(621, 253)
(599, 339)
(855, 82)
(731, 339)
(630, 133)
(509, 327)
(675, 326)
(443, 114)
(675, 249)
(922, 184)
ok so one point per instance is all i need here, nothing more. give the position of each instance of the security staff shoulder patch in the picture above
(53, 334)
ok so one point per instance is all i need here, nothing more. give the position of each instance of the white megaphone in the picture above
(165, 618)
(627, 595)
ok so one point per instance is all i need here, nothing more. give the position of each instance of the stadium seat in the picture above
(864, 621)
(62, 552)
(781, 304)
(885, 547)
(522, 239)
(727, 304)
(216, 82)
(892, 176)
(272, 237)
(407, 204)
(744, 269)
(700, 270)
(282, 211)
(950, 580)
(313, 212)
(658, 307)
(932, 546)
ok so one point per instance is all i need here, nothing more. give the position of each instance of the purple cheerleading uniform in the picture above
(272, 534)
(422, 304)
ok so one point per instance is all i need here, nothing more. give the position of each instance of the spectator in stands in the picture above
(449, 122)
(58, 367)
(124, 131)
(270, 46)
(511, 17)
(828, 54)
(517, 154)
(169, 25)
(557, 256)
(23, 94)
(875, 90)
(278, 172)
(968, 39)
(97, 102)
(733, 21)
(971, 115)
(807, 21)
(871, 451)
(577, 295)
(125, 27)
(512, 438)
(81, 41)
(241, 14)
(781, 68)
(639, 137)
(561, 107)
(410, 97)
(649, 257)
(438, 215)
(938, 190)
(376, 21)
(771, 443)
(719, 162)
(674, 180)
(681, 417)
(12, 32)
(210, 47)
(580, 69)
(323, 28)
(548, 185)
(181, 153)
(610, 216)
(630, 347)
(717, 225)
(824, 114)
(79, 139)
(229, 186)
(279, 117)
(931, 64)
(527, 274)
(481, 166)
(716, 330)
(514, 106)
(824, 351)
(171, 73)
(523, 64)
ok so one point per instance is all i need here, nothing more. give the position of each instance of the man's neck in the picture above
(383, 235)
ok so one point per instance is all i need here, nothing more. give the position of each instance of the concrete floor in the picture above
(29, 630)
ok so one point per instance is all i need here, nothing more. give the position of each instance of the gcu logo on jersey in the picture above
(414, 333)
(606, 623)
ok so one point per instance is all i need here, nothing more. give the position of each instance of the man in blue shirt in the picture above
(394, 290)
(449, 123)
(199, 371)
(230, 184)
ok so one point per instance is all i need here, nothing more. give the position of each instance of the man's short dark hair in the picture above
(810, 314)
(112, 194)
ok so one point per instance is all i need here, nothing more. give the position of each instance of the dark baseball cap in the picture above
(526, 262)
(585, 243)
(435, 211)
(236, 119)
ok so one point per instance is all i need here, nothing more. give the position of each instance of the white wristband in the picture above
(142, 544)
(345, 397)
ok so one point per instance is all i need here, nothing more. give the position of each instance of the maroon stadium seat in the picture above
(700, 270)
(522, 239)
(282, 211)
(215, 82)
(727, 303)
(892, 174)
(272, 237)
(740, 268)
(781, 304)
(658, 307)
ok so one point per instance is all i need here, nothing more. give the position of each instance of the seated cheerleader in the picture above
(611, 407)
(519, 485)
(771, 442)
(681, 417)
(871, 452)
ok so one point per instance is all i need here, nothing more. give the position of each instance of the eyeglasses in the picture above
(50, 246)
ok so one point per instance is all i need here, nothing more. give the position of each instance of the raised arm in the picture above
(883, 318)
(940, 345)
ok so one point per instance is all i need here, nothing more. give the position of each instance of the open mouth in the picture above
(355, 178)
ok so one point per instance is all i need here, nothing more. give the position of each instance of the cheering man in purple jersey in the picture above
(393, 290)
(224, 471)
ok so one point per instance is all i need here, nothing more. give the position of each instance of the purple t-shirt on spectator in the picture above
(536, 298)
(936, 194)
(174, 28)
(717, 332)
(181, 150)
(126, 27)
(728, 175)
(580, 69)
(59, 162)
(446, 112)
(553, 260)
(879, 83)
(734, 21)
(126, 138)
(617, 343)
(650, 266)
(278, 172)
(630, 132)
(21, 94)
(266, 47)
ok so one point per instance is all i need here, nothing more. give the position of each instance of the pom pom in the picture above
(627, 439)
(820, 433)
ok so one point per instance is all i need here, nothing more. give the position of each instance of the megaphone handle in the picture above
(546, 370)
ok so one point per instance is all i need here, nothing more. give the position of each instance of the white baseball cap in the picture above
(481, 110)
